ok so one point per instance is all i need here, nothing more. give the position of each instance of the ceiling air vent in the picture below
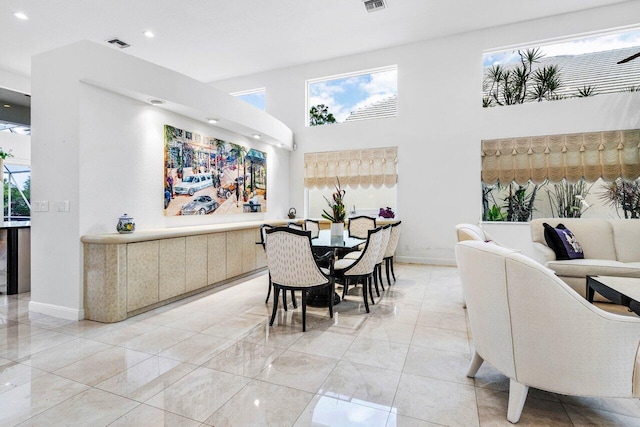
(119, 43)
(374, 5)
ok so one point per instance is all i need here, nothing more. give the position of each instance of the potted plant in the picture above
(3, 156)
(338, 211)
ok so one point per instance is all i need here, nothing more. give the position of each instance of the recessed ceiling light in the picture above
(156, 101)
(7, 106)
(21, 15)
(256, 136)
(212, 121)
(148, 34)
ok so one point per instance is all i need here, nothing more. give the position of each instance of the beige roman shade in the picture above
(364, 168)
(607, 155)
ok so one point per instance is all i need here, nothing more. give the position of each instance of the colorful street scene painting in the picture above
(204, 175)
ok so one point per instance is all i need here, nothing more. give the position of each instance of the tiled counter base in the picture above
(128, 274)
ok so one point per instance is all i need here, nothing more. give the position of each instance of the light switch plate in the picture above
(40, 205)
(63, 206)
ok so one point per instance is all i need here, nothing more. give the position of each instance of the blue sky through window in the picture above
(255, 98)
(346, 94)
(574, 47)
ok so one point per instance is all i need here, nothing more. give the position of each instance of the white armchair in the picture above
(473, 232)
(540, 333)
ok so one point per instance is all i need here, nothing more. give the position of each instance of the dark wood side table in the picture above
(619, 290)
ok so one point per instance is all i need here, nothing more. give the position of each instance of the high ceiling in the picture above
(216, 39)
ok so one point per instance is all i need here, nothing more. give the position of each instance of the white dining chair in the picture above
(360, 270)
(360, 225)
(263, 239)
(293, 267)
(312, 226)
(390, 251)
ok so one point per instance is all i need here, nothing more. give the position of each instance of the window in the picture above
(17, 192)
(13, 128)
(351, 97)
(577, 68)
(254, 97)
(369, 177)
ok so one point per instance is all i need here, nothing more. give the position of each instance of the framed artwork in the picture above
(210, 176)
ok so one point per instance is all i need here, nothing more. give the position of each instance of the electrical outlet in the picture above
(63, 206)
(40, 206)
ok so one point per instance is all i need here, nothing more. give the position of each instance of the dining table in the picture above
(340, 245)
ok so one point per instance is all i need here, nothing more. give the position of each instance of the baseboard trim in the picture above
(430, 261)
(56, 311)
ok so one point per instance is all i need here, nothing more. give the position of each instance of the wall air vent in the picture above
(118, 42)
(374, 5)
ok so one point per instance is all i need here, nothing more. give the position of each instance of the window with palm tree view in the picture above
(577, 68)
(362, 95)
(589, 174)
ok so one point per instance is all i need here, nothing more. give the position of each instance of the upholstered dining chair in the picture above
(263, 239)
(293, 267)
(539, 332)
(390, 251)
(312, 226)
(295, 226)
(360, 225)
(361, 270)
(377, 271)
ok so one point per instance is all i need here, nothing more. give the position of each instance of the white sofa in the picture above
(611, 248)
(537, 331)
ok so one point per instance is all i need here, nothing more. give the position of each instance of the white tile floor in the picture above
(213, 360)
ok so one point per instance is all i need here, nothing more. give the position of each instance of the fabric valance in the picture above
(607, 155)
(367, 167)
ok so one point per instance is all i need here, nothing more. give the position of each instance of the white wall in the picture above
(441, 122)
(100, 147)
(15, 82)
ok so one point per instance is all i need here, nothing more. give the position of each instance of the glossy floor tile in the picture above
(213, 360)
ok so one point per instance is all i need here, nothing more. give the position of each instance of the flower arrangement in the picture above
(5, 154)
(386, 213)
(338, 211)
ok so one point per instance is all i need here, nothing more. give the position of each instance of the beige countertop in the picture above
(167, 233)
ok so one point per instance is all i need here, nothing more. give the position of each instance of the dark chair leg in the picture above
(387, 263)
(304, 310)
(380, 276)
(293, 297)
(269, 292)
(368, 285)
(332, 292)
(393, 272)
(375, 280)
(345, 285)
(284, 300)
(364, 296)
(276, 291)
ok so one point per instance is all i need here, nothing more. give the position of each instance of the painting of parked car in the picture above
(192, 183)
(206, 175)
(201, 205)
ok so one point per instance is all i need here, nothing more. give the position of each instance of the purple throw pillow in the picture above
(563, 242)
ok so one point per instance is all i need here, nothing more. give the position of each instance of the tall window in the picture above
(17, 192)
(254, 97)
(362, 95)
(576, 68)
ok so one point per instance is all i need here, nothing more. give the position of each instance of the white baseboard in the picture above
(56, 311)
(430, 261)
